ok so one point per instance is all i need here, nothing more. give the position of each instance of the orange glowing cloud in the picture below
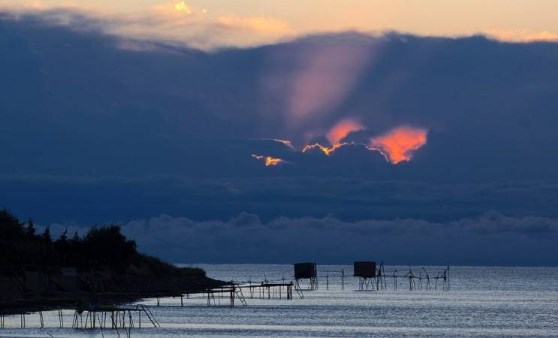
(342, 130)
(399, 144)
(326, 150)
(268, 160)
(335, 135)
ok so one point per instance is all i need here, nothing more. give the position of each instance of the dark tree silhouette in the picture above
(46, 237)
(30, 230)
(10, 228)
(103, 248)
(107, 247)
(105, 262)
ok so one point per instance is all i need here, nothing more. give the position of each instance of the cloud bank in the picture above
(491, 239)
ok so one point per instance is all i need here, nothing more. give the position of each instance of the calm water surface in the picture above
(482, 302)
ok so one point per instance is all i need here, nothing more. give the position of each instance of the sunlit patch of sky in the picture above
(253, 22)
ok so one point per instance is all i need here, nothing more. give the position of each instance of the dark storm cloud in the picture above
(92, 108)
(96, 129)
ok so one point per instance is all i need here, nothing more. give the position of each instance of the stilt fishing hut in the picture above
(306, 271)
(366, 273)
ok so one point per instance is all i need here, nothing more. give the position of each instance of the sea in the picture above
(480, 302)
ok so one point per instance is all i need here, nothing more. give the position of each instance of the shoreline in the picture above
(114, 293)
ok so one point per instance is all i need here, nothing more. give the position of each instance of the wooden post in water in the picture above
(290, 291)
(60, 319)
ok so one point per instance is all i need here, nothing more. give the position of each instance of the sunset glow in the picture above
(522, 36)
(323, 149)
(250, 22)
(182, 7)
(342, 129)
(268, 160)
(335, 136)
(285, 142)
(399, 144)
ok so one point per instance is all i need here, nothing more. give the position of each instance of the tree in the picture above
(63, 248)
(10, 228)
(76, 238)
(30, 230)
(64, 236)
(46, 235)
(106, 246)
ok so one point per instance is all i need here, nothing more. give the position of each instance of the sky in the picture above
(251, 22)
(281, 131)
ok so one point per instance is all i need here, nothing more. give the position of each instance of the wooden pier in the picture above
(267, 290)
(92, 317)
(99, 317)
(235, 292)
